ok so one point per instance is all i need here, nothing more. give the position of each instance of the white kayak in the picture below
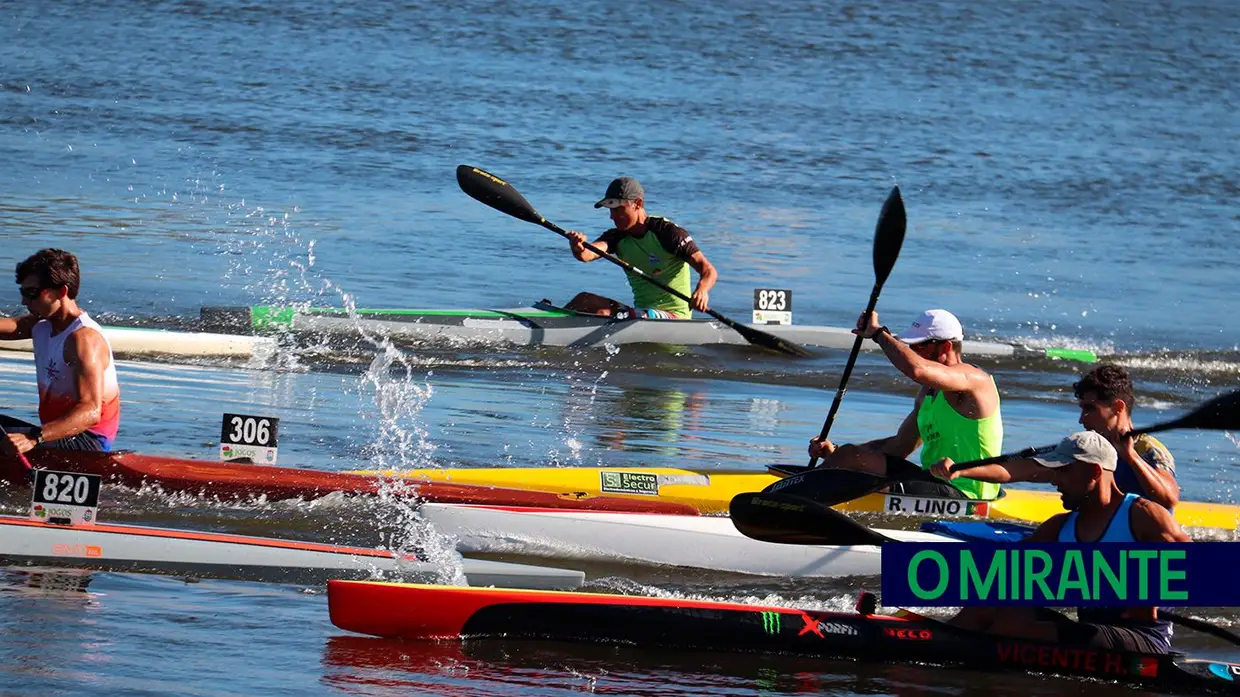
(214, 555)
(137, 341)
(700, 542)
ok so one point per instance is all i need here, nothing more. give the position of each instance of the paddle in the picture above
(888, 238)
(20, 456)
(498, 194)
(790, 519)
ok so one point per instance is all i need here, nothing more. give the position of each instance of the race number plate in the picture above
(251, 439)
(935, 507)
(65, 498)
(772, 306)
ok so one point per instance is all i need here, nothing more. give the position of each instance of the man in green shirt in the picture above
(956, 410)
(657, 246)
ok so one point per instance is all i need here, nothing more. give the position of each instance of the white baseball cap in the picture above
(1086, 446)
(933, 325)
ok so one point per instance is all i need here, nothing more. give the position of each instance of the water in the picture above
(1067, 170)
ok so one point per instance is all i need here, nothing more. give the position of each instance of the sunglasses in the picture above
(31, 293)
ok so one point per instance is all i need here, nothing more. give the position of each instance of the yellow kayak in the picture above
(710, 491)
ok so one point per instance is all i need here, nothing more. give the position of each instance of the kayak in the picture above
(545, 324)
(241, 481)
(138, 341)
(110, 547)
(698, 542)
(710, 491)
(412, 611)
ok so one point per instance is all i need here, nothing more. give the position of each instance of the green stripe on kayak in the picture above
(266, 316)
(1083, 355)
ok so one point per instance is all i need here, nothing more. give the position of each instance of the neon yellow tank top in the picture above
(945, 433)
(648, 255)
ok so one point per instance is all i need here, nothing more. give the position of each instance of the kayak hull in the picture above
(240, 557)
(233, 480)
(699, 542)
(411, 611)
(711, 491)
(541, 324)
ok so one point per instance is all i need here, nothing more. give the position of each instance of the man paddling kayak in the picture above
(1105, 396)
(656, 246)
(79, 398)
(1083, 467)
(956, 412)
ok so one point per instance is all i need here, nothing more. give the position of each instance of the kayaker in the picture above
(79, 398)
(956, 412)
(657, 246)
(1082, 468)
(1105, 396)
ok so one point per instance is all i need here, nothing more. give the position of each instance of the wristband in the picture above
(880, 330)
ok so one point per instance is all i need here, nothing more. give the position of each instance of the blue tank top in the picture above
(1118, 530)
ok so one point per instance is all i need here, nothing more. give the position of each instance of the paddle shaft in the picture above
(848, 368)
(20, 456)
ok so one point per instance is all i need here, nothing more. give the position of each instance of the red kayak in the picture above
(230, 480)
(415, 611)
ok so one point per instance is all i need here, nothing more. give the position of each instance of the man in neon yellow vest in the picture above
(956, 412)
(657, 246)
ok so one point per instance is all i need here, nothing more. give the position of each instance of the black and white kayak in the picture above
(109, 547)
(544, 324)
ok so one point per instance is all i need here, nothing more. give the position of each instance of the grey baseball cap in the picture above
(621, 190)
(1086, 446)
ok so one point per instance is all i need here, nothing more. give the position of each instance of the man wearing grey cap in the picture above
(1083, 470)
(956, 413)
(657, 246)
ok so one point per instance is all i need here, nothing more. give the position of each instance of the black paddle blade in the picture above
(1219, 414)
(831, 486)
(487, 188)
(770, 341)
(889, 236)
(792, 520)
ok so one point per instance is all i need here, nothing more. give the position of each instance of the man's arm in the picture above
(928, 373)
(999, 472)
(17, 328)
(906, 439)
(706, 280)
(1153, 523)
(1158, 484)
(577, 243)
(86, 353)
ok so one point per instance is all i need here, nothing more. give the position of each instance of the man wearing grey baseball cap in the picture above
(657, 246)
(1082, 468)
(956, 413)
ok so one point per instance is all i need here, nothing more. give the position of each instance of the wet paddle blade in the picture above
(792, 520)
(1219, 414)
(889, 236)
(489, 189)
(770, 341)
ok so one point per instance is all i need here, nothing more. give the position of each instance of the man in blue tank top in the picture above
(1105, 397)
(1083, 468)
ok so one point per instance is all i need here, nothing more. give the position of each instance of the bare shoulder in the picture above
(1048, 531)
(1152, 522)
(84, 343)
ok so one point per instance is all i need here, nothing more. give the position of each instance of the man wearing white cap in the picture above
(658, 247)
(1082, 468)
(955, 415)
